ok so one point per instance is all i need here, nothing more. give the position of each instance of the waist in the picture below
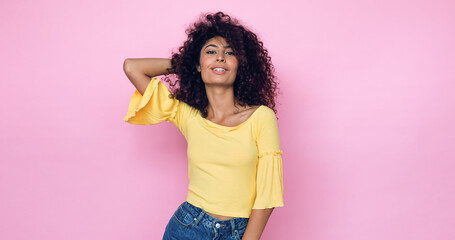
(224, 207)
(220, 217)
(234, 222)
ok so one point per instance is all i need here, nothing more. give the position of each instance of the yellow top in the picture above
(231, 170)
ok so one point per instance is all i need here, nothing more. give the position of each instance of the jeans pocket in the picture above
(183, 217)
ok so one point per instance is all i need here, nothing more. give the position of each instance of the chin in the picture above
(215, 81)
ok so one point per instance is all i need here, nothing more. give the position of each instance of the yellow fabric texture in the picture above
(231, 170)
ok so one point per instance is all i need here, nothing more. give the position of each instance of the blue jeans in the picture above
(191, 222)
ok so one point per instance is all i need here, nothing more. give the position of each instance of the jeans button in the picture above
(217, 225)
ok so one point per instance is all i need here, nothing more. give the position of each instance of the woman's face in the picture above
(217, 62)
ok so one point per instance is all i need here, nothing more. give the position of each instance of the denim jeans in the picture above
(191, 222)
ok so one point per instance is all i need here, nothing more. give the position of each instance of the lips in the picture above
(219, 71)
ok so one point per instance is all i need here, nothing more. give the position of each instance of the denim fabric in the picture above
(191, 222)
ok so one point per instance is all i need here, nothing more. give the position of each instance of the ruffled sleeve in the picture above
(269, 178)
(155, 106)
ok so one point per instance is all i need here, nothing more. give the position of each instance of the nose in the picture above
(220, 58)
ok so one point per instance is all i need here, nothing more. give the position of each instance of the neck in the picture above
(221, 101)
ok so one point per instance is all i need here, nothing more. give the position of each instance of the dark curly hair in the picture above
(255, 82)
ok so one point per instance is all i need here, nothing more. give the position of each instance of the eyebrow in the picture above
(213, 45)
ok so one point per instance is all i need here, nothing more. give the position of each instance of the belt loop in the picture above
(198, 219)
(233, 227)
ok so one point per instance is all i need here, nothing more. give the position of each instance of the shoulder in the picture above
(266, 128)
(188, 109)
(265, 119)
(265, 113)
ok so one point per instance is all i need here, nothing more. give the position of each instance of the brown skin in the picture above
(140, 70)
(223, 108)
(256, 224)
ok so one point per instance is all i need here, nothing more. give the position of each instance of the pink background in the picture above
(366, 118)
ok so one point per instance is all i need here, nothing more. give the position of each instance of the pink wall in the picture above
(366, 118)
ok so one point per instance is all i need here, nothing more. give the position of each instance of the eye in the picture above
(210, 52)
(230, 53)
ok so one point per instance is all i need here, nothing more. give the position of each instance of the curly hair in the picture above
(255, 82)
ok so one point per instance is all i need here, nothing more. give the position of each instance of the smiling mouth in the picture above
(219, 69)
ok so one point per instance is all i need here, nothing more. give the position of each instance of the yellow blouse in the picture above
(231, 170)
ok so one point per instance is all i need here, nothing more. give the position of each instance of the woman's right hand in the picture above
(140, 70)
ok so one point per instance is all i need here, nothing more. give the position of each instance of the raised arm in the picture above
(140, 70)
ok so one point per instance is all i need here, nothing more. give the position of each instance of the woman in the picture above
(224, 106)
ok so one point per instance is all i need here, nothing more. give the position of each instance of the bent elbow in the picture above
(127, 66)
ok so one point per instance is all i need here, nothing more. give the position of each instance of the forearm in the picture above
(149, 66)
(140, 70)
(256, 223)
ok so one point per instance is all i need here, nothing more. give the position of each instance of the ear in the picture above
(198, 68)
